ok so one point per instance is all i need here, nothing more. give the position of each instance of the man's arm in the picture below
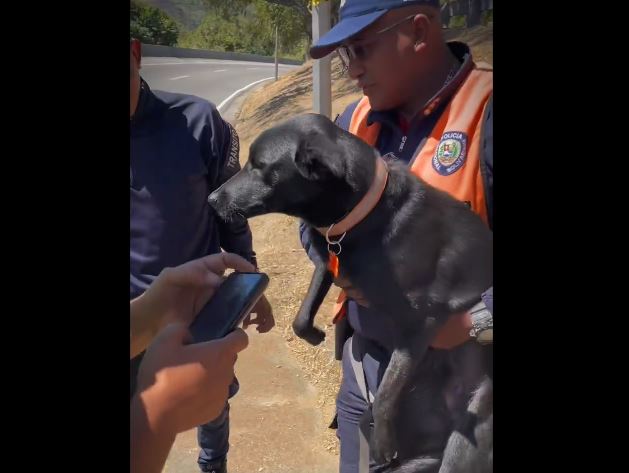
(144, 325)
(149, 448)
(487, 159)
(180, 386)
(306, 242)
(457, 329)
(178, 294)
(234, 236)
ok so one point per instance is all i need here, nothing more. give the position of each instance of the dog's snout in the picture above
(216, 200)
(222, 203)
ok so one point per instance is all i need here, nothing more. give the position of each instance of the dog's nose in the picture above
(213, 200)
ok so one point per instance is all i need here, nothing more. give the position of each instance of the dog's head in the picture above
(306, 167)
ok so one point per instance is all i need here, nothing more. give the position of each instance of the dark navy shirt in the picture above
(181, 150)
(402, 141)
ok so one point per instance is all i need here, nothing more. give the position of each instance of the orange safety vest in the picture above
(450, 157)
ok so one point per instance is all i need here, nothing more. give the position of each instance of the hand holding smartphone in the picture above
(232, 302)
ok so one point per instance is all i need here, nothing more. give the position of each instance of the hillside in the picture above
(188, 13)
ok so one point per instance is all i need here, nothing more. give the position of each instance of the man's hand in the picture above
(351, 291)
(264, 316)
(181, 292)
(182, 386)
(177, 295)
(455, 331)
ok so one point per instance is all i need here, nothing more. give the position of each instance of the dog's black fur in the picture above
(419, 256)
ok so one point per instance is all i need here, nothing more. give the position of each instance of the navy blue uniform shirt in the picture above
(181, 150)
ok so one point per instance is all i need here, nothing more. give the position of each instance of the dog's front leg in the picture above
(303, 325)
(397, 377)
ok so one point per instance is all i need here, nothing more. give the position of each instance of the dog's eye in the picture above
(275, 177)
(269, 176)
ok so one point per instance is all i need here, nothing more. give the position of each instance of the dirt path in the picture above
(275, 418)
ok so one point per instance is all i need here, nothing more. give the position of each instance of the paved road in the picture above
(212, 79)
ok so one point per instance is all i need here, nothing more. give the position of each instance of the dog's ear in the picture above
(318, 158)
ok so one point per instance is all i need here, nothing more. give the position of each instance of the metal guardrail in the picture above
(153, 50)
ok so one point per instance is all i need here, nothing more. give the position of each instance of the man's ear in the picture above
(421, 24)
(136, 50)
(318, 158)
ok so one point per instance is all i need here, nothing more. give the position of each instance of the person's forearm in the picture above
(457, 328)
(149, 448)
(144, 323)
(237, 238)
(307, 243)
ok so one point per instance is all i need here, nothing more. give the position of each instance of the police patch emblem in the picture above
(451, 153)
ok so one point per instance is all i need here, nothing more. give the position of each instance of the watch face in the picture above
(486, 336)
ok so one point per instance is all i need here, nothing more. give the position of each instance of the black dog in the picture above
(419, 256)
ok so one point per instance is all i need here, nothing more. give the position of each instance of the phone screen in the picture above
(231, 303)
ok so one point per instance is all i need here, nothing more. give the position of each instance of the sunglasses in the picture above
(361, 51)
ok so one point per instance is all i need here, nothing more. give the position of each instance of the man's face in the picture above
(383, 60)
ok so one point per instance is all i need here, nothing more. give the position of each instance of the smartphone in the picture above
(231, 303)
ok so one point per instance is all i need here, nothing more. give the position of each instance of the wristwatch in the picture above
(482, 324)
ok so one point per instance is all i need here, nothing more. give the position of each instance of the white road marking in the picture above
(228, 99)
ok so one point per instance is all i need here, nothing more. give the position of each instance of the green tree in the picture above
(304, 9)
(219, 33)
(249, 26)
(151, 25)
(288, 21)
(227, 9)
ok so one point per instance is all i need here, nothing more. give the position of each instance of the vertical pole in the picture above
(321, 72)
(276, 48)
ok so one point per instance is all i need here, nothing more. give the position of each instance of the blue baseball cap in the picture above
(356, 15)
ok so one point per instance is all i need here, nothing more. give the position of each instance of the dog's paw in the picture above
(385, 468)
(312, 335)
(315, 336)
(383, 448)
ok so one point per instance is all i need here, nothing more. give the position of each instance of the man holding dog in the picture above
(428, 104)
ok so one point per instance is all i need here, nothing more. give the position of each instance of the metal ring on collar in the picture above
(327, 236)
(330, 245)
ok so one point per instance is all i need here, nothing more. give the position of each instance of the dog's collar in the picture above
(364, 207)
